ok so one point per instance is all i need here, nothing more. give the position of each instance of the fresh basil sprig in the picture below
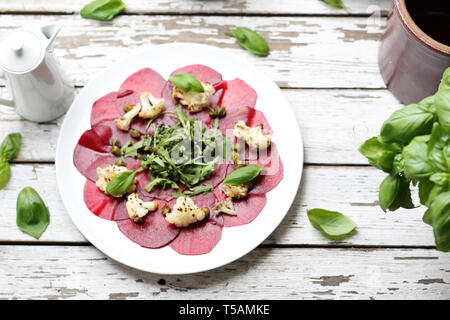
(186, 82)
(102, 9)
(250, 40)
(120, 183)
(332, 224)
(33, 216)
(9, 148)
(242, 175)
(414, 148)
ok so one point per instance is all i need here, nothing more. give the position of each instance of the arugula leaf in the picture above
(10, 146)
(102, 9)
(406, 123)
(120, 183)
(416, 163)
(242, 175)
(33, 216)
(163, 182)
(438, 215)
(250, 40)
(204, 188)
(332, 224)
(5, 172)
(186, 82)
(335, 3)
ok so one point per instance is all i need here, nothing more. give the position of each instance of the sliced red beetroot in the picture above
(239, 94)
(87, 160)
(257, 118)
(121, 212)
(152, 232)
(199, 238)
(104, 109)
(218, 175)
(108, 130)
(273, 168)
(233, 115)
(98, 202)
(91, 140)
(201, 72)
(247, 210)
(144, 80)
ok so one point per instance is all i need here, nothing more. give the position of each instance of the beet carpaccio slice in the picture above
(94, 150)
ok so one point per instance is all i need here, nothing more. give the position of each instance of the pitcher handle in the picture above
(3, 101)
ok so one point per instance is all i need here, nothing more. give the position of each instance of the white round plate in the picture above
(236, 241)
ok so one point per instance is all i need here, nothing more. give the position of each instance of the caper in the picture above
(115, 150)
(116, 142)
(121, 162)
(205, 210)
(218, 112)
(128, 107)
(165, 209)
(135, 134)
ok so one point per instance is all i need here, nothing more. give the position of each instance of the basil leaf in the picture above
(102, 9)
(378, 154)
(332, 224)
(441, 178)
(389, 189)
(406, 123)
(445, 82)
(438, 215)
(335, 3)
(33, 216)
(242, 175)
(5, 172)
(416, 163)
(403, 196)
(425, 187)
(442, 102)
(186, 82)
(120, 183)
(10, 146)
(250, 40)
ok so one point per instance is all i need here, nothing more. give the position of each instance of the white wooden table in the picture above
(325, 60)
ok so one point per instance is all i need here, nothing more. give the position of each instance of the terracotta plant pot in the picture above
(411, 62)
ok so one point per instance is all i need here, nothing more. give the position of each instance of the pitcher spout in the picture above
(50, 31)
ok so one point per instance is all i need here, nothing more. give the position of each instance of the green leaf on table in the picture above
(10, 146)
(242, 175)
(5, 172)
(417, 166)
(438, 216)
(335, 3)
(120, 183)
(406, 123)
(102, 9)
(332, 224)
(186, 82)
(250, 40)
(33, 216)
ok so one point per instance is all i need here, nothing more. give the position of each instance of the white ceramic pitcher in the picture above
(38, 87)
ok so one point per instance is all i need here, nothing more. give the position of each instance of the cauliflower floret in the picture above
(225, 206)
(125, 122)
(195, 101)
(106, 174)
(150, 106)
(237, 192)
(137, 209)
(253, 136)
(185, 212)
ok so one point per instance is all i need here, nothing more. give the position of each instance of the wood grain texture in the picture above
(350, 190)
(333, 124)
(306, 52)
(42, 272)
(241, 7)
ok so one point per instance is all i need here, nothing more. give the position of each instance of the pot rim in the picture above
(416, 32)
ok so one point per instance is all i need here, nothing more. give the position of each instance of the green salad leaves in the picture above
(102, 9)
(33, 216)
(332, 224)
(414, 149)
(250, 40)
(9, 149)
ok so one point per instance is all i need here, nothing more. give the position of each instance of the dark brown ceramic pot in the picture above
(411, 63)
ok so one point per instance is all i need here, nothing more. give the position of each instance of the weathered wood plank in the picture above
(306, 52)
(290, 7)
(350, 190)
(43, 272)
(333, 124)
